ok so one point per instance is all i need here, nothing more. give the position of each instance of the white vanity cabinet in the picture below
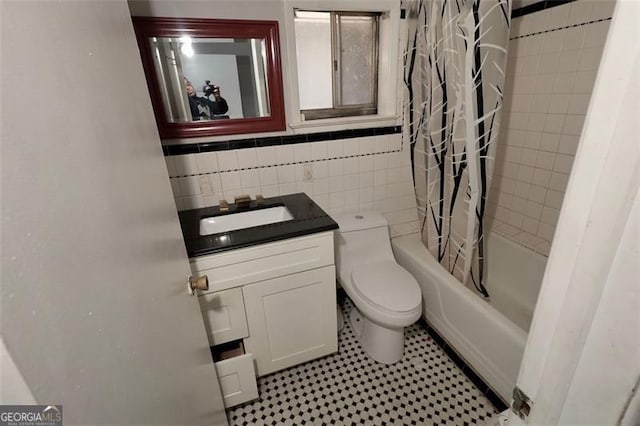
(278, 298)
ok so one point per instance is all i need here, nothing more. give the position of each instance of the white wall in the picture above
(552, 64)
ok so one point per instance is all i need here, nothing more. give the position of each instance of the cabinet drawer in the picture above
(237, 375)
(224, 316)
(265, 261)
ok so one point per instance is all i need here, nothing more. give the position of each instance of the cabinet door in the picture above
(292, 319)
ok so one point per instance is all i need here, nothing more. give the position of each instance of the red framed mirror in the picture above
(212, 77)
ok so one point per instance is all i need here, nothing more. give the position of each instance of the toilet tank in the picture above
(361, 238)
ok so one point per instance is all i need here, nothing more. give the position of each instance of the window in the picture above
(337, 59)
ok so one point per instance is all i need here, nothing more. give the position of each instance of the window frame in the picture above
(338, 110)
(392, 41)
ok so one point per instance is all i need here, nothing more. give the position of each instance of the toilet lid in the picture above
(388, 285)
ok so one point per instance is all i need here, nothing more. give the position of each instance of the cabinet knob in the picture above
(200, 283)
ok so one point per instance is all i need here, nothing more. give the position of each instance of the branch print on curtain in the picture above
(454, 80)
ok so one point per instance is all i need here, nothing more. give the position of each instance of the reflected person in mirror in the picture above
(203, 108)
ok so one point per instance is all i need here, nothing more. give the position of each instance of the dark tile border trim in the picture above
(195, 148)
(537, 7)
(466, 369)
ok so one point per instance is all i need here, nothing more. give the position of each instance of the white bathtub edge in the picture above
(458, 315)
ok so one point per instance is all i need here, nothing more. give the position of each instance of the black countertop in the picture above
(308, 218)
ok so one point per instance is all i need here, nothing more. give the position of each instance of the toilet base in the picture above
(385, 345)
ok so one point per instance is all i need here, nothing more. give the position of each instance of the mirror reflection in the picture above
(203, 79)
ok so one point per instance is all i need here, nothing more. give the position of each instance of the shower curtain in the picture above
(454, 79)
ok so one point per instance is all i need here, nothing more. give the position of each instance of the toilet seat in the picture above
(387, 285)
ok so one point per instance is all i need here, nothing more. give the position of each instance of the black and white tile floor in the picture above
(424, 388)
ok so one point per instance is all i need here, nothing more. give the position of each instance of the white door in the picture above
(95, 312)
(580, 364)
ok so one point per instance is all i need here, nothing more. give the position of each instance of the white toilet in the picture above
(386, 296)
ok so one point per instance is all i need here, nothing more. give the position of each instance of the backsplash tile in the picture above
(552, 64)
(341, 175)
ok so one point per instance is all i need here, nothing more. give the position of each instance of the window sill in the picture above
(345, 123)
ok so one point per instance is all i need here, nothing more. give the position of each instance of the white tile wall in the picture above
(549, 80)
(348, 175)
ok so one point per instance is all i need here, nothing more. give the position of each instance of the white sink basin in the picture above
(248, 219)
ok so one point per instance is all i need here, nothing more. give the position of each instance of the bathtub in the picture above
(489, 335)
